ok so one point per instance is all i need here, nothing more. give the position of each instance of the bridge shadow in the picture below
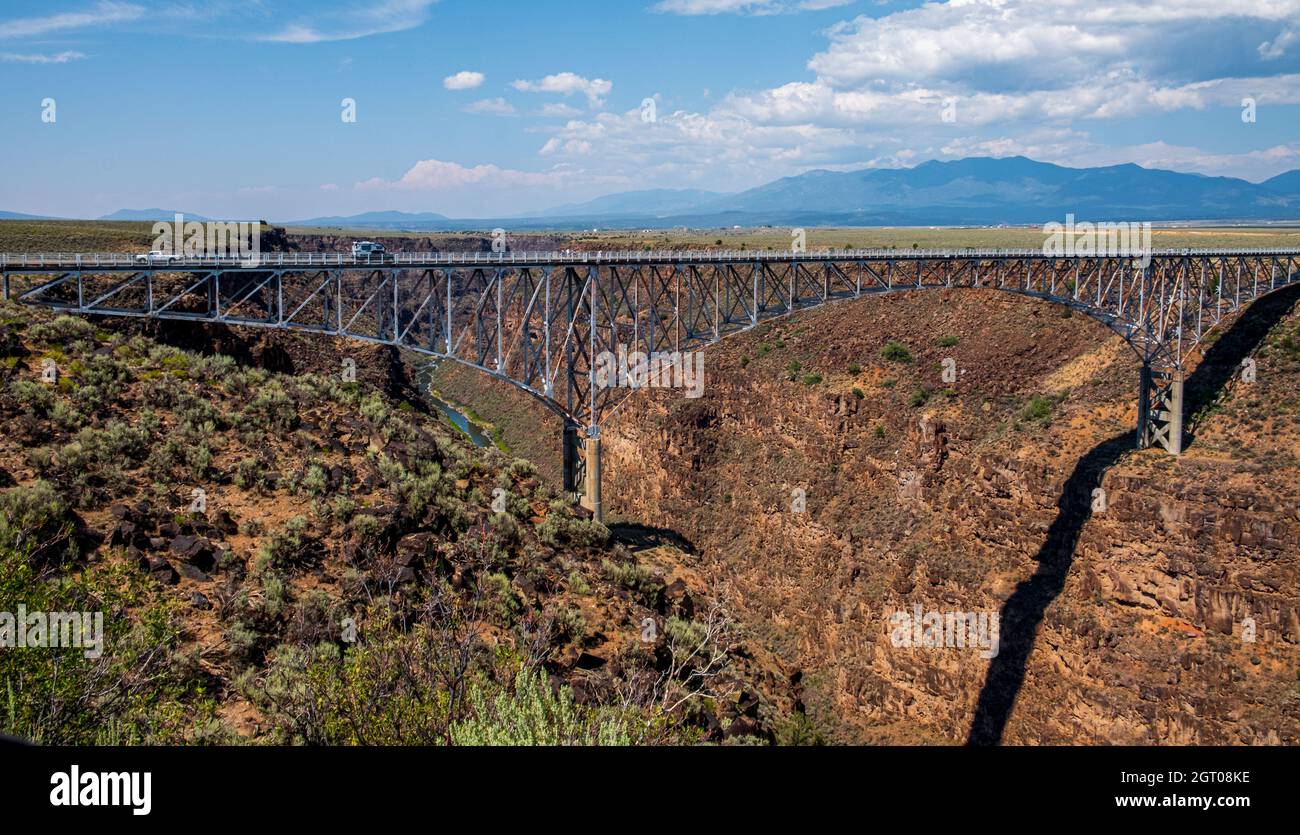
(644, 537)
(1023, 612)
(1024, 609)
(258, 348)
(1220, 367)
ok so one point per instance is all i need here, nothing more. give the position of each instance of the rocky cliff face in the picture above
(831, 482)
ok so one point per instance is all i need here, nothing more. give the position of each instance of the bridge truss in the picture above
(542, 321)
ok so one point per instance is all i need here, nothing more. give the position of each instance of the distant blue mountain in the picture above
(1288, 183)
(19, 216)
(150, 215)
(977, 191)
(986, 190)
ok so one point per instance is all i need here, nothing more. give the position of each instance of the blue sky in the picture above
(476, 108)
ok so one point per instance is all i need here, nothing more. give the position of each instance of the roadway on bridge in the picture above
(17, 262)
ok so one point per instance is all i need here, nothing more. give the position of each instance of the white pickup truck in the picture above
(369, 251)
(157, 255)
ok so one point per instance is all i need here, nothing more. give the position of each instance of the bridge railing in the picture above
(118, 260)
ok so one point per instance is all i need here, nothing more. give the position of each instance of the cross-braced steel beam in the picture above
(543, 322)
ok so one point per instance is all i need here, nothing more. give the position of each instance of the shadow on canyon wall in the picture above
(1023, 612)
(290, 353)
(643, 537)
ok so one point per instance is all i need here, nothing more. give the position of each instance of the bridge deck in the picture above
(114, 262)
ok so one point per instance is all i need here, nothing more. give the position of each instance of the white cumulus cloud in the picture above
(435, 175)
(463, 80)
(567, 84)
(1017, 42)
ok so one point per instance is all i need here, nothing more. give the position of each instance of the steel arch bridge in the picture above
(542, 321)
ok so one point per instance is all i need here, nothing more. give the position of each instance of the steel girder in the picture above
(541, 324)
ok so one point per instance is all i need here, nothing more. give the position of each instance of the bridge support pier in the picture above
(1160, 409)
(582, 469)
(574, 477)
(591, 494)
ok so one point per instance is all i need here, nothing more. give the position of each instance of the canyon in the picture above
(1143, 598)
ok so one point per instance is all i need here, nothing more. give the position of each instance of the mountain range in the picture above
(20, 216)
(1288, 183)
(976, 191)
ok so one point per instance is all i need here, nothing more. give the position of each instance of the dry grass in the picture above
(105, 236)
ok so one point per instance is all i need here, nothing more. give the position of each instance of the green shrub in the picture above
(250, 474)
(102, 372)
(634, 577)
(178, 453)
(62, 331)
(36, 520)
(1290, 346)
(578, 584)
(502, 596)
(315, 481)
(895, 351)
(290, 547)
(140, 690)
(35, 398)
(1038, 410)
(272, 408)
(211, 368)
(275, 596)
(241, 642)
(561, 528)
(531, 713)
(799, 730)
(522, 468)
(686, 635)
(570, 624)
(374, 409)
